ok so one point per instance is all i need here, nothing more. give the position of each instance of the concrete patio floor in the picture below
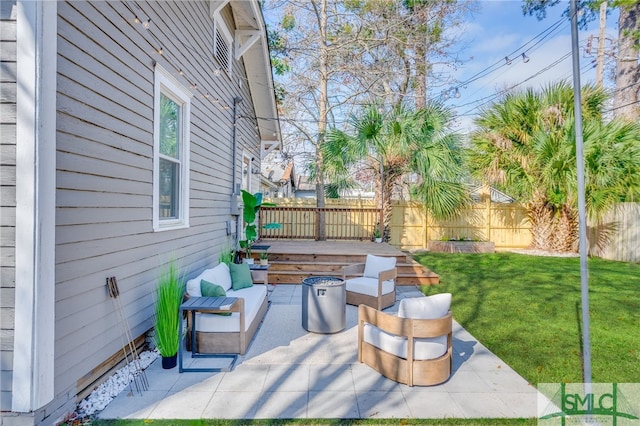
(291, 373)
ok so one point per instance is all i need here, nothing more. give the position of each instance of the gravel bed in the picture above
(107, 391)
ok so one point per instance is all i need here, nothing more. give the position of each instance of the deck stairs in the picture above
(292, 268)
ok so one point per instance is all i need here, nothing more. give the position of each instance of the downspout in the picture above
(235, 190)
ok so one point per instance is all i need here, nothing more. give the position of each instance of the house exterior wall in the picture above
(7, 198)
(104, 173)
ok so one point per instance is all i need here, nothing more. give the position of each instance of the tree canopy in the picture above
(525, 144)
(411, 150)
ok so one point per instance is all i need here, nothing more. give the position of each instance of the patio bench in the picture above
(227, 334)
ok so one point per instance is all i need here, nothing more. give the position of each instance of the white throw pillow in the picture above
(193, 287)
(427, 307)
(376, 264)
(218, 275)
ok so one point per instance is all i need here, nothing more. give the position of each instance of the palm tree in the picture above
(525, 145)
(397, 144)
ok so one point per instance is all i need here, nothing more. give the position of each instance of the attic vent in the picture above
(222, 45)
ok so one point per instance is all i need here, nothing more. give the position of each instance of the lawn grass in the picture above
(526, 310)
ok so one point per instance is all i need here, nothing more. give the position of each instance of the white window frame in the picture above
(166, 84)
(220, 26)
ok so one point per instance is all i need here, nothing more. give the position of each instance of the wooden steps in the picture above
(291, 266)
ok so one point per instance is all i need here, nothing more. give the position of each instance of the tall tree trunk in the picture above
(552, 230)
(541, 228)
(387, 207)
(322, 125)
(421, 75)
(627, 67)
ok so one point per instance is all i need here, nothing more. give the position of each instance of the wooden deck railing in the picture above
(300, 222)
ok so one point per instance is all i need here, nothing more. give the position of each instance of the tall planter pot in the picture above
(169, 362)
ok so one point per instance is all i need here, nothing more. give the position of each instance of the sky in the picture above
(497, 31)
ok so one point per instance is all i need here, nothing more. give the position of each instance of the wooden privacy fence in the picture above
(506, 225)
(410, 229)
(618, 234)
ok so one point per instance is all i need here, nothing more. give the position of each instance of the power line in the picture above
(497, 94)
(505, 62)
(622, 106)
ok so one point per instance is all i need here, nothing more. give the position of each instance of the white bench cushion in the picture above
(424, 349)
(368, 286)
(253, 298)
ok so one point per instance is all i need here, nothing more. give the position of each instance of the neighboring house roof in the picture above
(251, 45)
(304, 184)
(497, 196)
(279, 174)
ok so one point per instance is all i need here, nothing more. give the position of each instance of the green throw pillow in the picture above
(213, 290)
(240, 276)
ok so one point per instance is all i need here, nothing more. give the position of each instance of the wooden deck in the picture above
(293, 260)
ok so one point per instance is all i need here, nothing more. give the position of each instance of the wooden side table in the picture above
(206, 304)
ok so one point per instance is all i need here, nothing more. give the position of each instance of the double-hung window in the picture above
(171, 117)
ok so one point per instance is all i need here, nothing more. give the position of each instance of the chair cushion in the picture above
(368, 286)
(240, 276)
(424, 349)
(253, 297)
(427, 307)
(376, 264)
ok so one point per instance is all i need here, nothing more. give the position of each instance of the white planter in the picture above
(247, 261)
(378, 240)
(264, 262)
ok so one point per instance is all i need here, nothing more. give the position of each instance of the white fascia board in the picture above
(34, 328)
(215, 6)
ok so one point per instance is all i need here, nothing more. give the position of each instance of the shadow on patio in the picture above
(291, 373)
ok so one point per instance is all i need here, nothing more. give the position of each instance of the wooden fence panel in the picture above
(618, 233)
(408, 226)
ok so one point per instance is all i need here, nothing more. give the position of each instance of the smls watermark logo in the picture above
(616, 404)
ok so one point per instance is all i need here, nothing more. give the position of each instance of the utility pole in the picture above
(601, 39)
(582, 216)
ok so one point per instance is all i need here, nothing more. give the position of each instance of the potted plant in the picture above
(168, 298)
(264, 258)
(377, 235)
(227, 256)
(252, 204)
